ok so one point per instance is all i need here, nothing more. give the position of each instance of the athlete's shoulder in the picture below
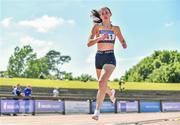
(116, 27)
(95, 27)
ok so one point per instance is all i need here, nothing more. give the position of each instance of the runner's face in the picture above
(105, 14)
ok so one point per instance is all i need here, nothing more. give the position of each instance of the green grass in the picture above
(87, 85)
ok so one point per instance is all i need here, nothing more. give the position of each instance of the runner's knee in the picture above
(102, 84)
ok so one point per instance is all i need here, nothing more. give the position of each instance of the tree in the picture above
(116, 80)
(66, 76)
(37, 68)
(3, 74)
(24, 63)
(55, 62)
(85, 78)
(161, 66)
(18, 61)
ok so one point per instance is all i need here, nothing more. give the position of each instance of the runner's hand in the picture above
(103, 37)
(124, 45)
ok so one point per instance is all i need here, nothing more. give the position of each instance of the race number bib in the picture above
(111, 35)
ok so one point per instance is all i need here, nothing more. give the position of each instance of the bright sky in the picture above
(64, 25)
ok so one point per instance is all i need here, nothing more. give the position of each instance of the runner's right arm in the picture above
(93, 40)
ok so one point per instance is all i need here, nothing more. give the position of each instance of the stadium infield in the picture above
(167, 118)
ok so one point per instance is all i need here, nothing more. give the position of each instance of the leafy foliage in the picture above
(25, 64)
(161, 66)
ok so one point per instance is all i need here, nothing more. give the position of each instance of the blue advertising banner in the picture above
(171, 106)
(17, 106)
(107, 106)
(149, 106)
(123, 107)
(49, 106)
(127, 106)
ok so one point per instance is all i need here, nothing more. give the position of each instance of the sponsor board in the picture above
(77, 107)
(127, 106)
(170, 106)
(106, 107)
(17, 106)
(149, 106)
(49, 106)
